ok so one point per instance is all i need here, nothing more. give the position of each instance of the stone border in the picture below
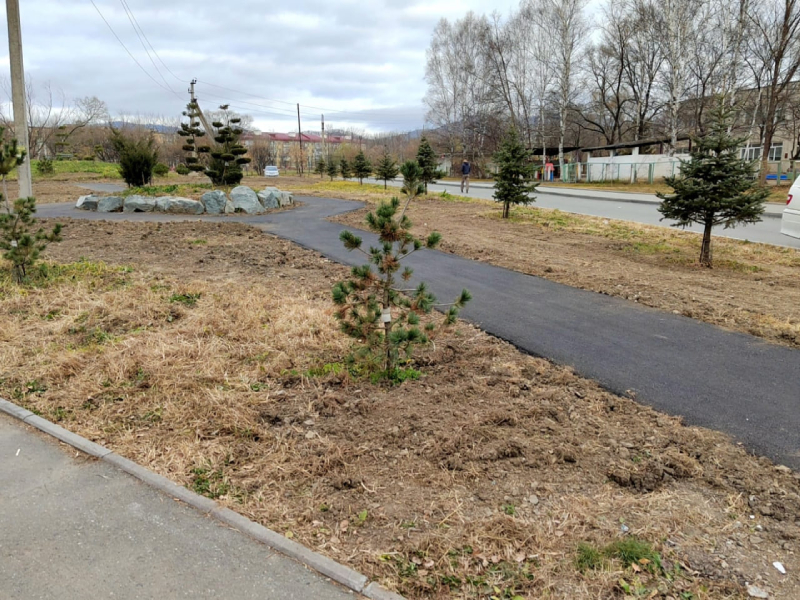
(327, 567)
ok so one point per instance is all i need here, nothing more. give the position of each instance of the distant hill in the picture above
(150, 126)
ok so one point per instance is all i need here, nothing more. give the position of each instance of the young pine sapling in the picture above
(372, 308)
(20, 241)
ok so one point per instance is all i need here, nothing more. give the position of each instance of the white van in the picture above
(790, 223)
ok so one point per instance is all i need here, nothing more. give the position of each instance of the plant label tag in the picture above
(386, 315)
(13, 243)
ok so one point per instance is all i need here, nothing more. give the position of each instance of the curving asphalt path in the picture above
(715, 378)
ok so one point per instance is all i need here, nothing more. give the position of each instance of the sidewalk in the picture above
(771, 210)
(72, 527)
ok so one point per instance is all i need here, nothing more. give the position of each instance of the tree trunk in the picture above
(387, 331)
(506, 207)
(705, 248)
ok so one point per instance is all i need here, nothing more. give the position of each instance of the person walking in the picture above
(465, 171)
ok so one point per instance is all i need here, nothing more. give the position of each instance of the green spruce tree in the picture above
(386, 169)
(715, 186)
(514, 181)
(426, 158)
(20, 241)
(361, 167)
(332, 169)
(344, 168)
(320, 168)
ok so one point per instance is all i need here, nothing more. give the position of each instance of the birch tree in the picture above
(569, 32)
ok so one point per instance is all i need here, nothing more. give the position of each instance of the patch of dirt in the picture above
(198, 359)
(754, 288)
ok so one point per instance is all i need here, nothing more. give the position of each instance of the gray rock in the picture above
(110, 204)
(286, 199)
(270, 198)
(87, 202)
(756, 592)
(178, 205)
(245, 200)
(229, 208)
(214, 202)
(139, 204)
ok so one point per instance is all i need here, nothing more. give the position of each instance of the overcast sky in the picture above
(337, 55)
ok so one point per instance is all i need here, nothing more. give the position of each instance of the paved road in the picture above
(613, 206)
(727, 381)
(72, 528)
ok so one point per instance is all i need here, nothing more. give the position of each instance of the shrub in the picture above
(137, 158)
(161, 170)
(45, 166)
(182, 169)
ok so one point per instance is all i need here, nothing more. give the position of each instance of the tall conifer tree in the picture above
(715, 186)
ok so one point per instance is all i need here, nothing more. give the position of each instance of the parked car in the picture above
(790, 223)
(271, 171)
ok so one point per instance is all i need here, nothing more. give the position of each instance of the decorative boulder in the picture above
(177, 205)
(245, 200)
(286, 199)
(87, 202)
(229, 208)
(214, 202)
(139, 204)
(110, 204)
(270, 198)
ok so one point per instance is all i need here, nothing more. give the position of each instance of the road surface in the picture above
(617, 206)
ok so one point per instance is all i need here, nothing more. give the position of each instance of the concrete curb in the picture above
(327, 567)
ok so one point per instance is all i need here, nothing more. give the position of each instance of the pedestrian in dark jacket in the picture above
(466, 169)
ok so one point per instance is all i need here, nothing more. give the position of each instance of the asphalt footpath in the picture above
(75, 528)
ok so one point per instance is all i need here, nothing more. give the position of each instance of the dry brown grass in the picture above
(206, 362)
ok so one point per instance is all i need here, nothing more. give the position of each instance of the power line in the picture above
(128, 51)
(249, 95)
(151, 45)
(270, 110)
(134, 24)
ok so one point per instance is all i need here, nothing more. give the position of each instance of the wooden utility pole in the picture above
(18, 96)
(324, 152)
(300, 139)
(203, 120)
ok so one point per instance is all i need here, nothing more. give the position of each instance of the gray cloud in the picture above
(362, 62)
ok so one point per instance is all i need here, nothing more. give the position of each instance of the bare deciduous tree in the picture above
(774, 51)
